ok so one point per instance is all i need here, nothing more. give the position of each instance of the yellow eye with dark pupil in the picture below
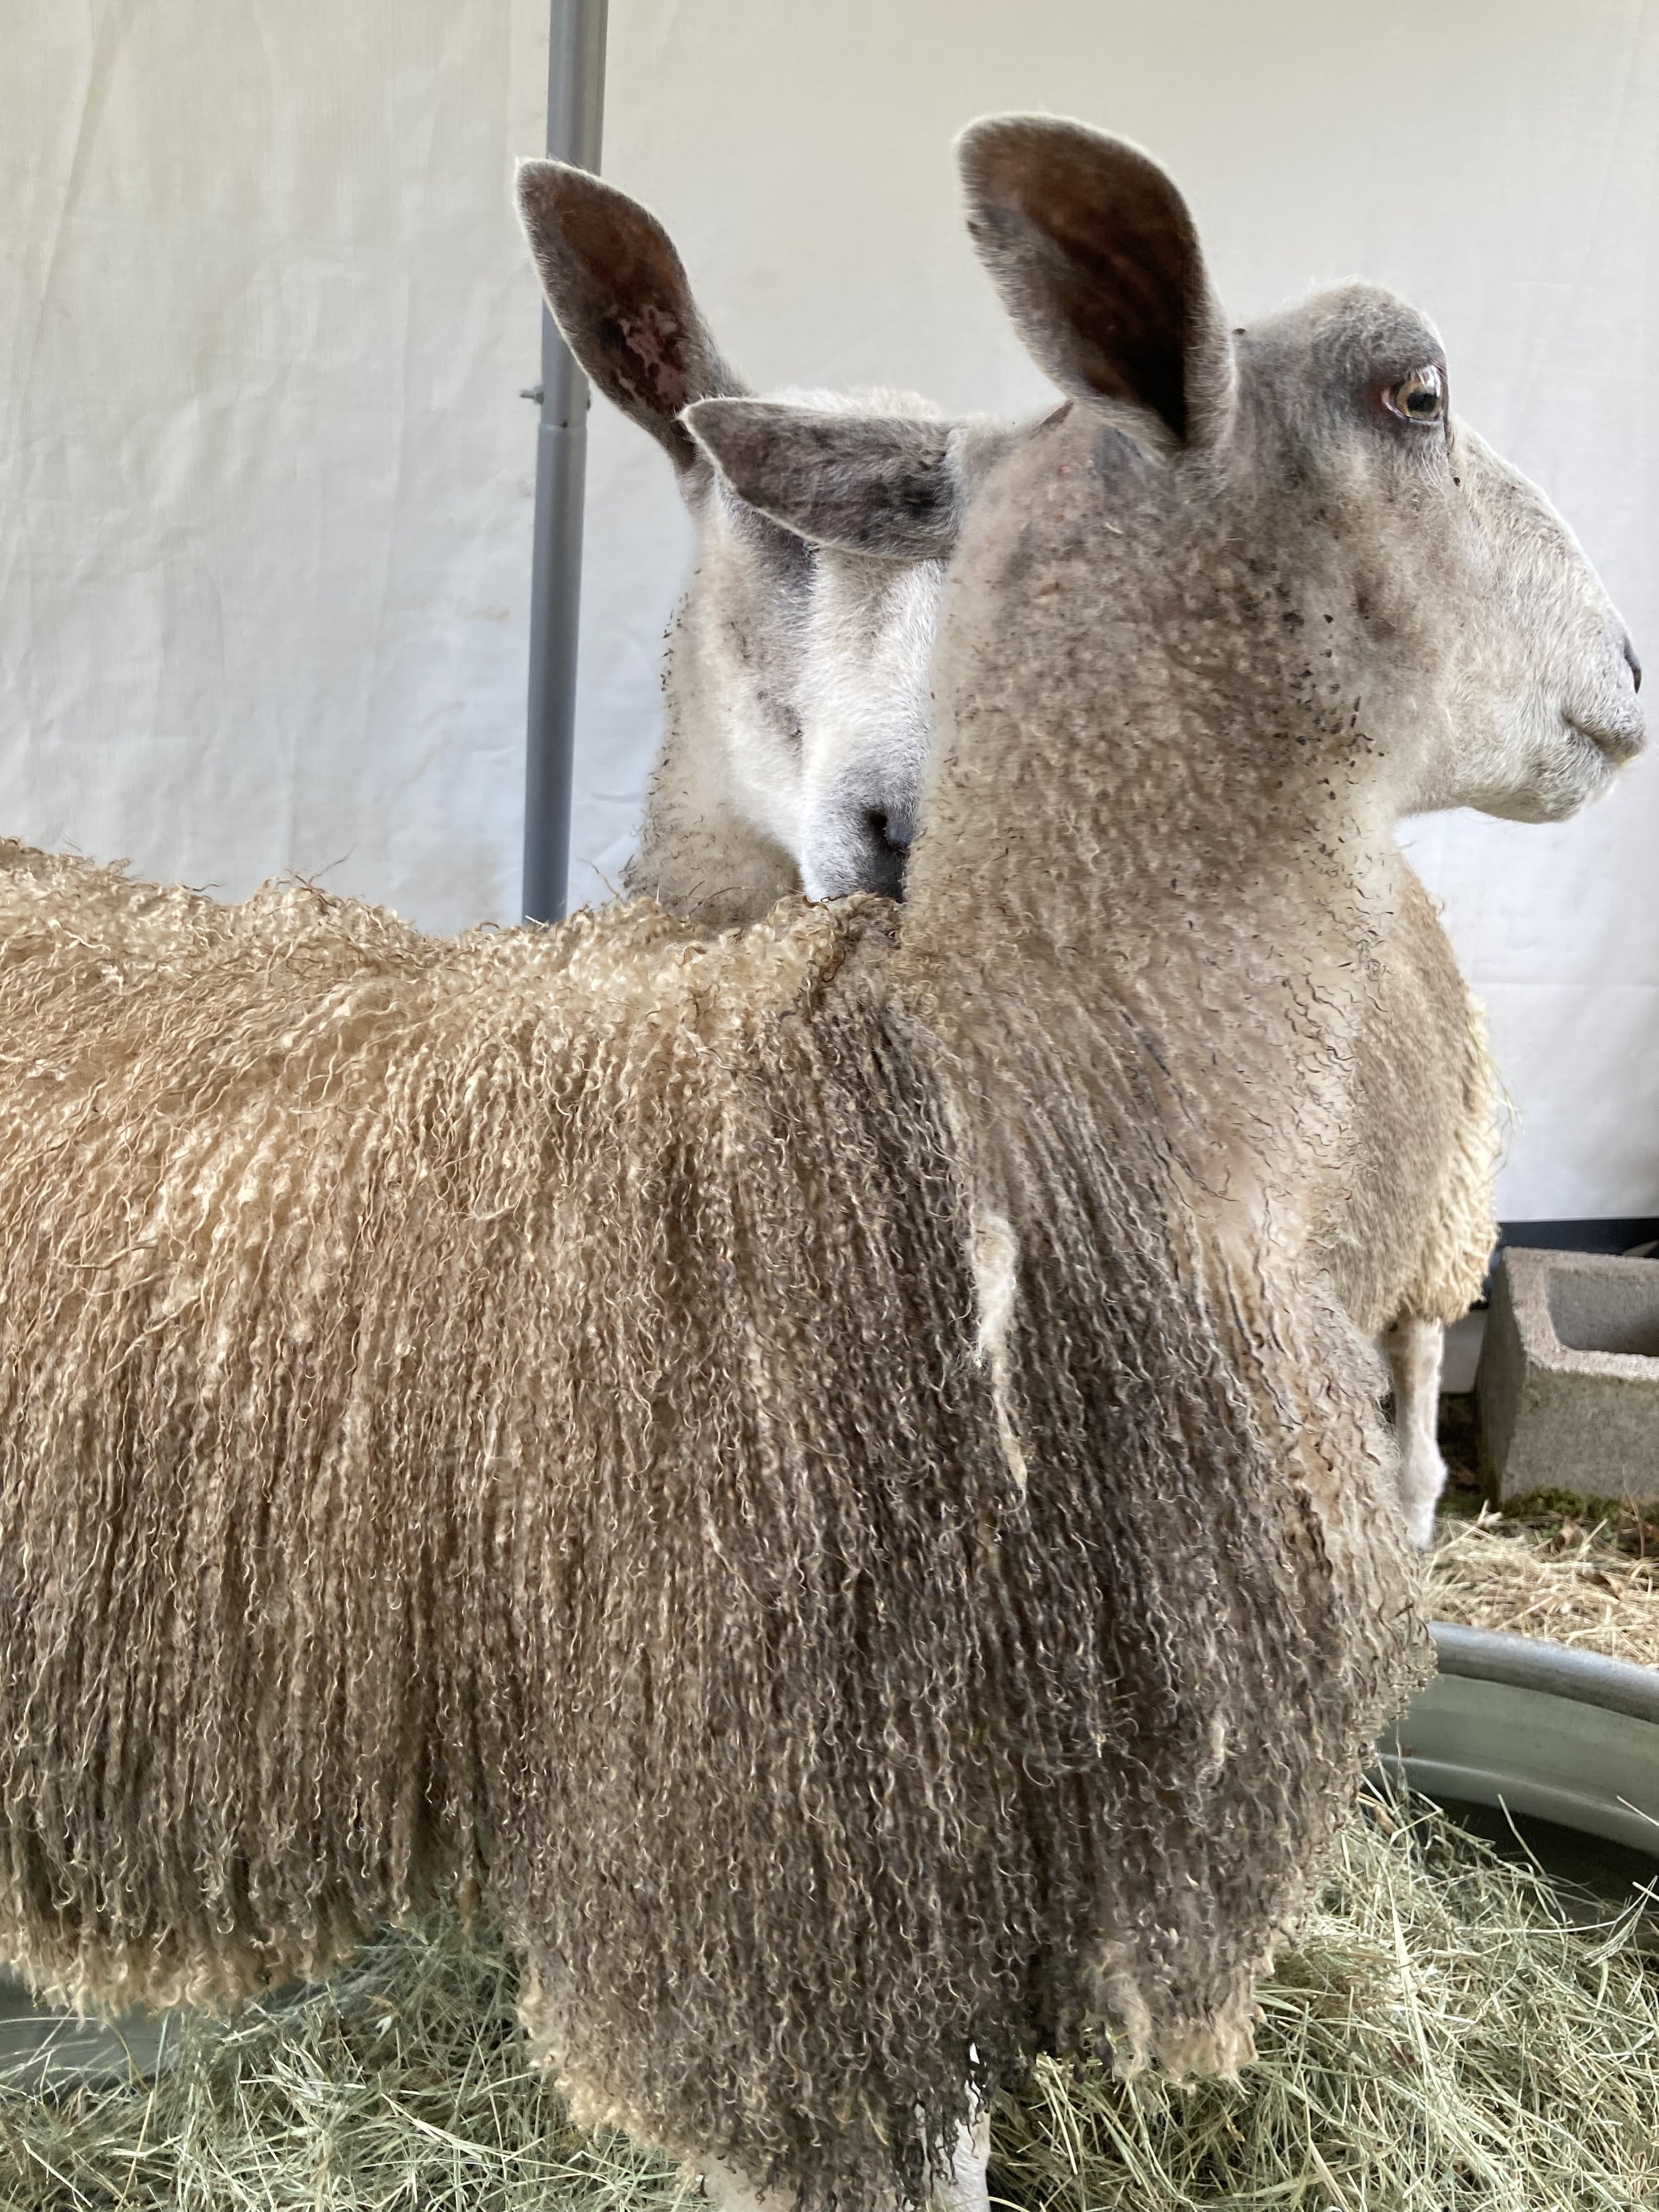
(1420, 397)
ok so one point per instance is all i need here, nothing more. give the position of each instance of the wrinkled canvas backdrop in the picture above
(266, 477)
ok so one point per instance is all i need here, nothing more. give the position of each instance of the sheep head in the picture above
(1268, 566)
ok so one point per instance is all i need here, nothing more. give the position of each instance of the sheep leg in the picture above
(1413, 1348)
(965, 2191)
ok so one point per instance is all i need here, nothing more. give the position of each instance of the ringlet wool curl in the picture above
(507, 1417)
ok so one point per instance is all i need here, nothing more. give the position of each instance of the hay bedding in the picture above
(1443, 2039)
(1589, 1578)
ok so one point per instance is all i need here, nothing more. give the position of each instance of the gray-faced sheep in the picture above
(820, 1471)
(795, 695)
(1406, 1229)
(798, 719)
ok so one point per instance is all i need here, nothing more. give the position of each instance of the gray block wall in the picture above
(1568, 1386)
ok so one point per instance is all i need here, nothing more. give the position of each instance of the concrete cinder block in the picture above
(1568, 1385)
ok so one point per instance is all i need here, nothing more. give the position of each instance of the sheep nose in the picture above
(890, 839)
(1635, 665)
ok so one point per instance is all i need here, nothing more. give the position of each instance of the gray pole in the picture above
(575, 107)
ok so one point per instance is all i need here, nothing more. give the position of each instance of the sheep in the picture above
(413, 1484)
(798, 720)
(814, 1468)
(1406, 1239)
(791, 670)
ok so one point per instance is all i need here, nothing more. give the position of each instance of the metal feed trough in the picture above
(1534, 1729)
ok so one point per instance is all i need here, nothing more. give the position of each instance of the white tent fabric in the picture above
(266, 478)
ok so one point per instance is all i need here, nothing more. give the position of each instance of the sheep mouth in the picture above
(1615, 742)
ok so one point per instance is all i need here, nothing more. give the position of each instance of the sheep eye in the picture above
(1419, 397)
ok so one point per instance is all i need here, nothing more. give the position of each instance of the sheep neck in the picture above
(1163, 782)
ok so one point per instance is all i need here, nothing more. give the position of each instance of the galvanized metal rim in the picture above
(1525, 1662)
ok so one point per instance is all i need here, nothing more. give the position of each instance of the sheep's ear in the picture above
(618, 292)
(1098, 261)
(881, 484)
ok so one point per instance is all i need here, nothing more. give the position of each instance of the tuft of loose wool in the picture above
(508, 1418)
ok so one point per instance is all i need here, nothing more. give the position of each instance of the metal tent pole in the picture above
(575, 109)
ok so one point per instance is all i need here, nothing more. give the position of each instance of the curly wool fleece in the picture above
(505, 1417)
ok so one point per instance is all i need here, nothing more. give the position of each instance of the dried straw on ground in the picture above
(1437, 2038)
(506, 1416)
(404, 2081)
(1442, 2038)
(1587, 1581)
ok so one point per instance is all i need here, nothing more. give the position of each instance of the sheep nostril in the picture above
(885, 831)
(1634, 664)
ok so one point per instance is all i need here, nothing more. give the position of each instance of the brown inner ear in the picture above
(1097, 260)
(1123, 292)
(1126, 296)
(622, 298)
(639, 313)
(647, 349)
